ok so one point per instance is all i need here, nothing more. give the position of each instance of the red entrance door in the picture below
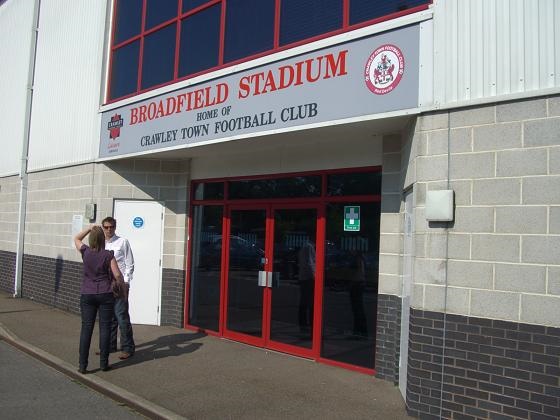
(272, 292)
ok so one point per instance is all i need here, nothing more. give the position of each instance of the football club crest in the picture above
(114, 126)
(384, 69)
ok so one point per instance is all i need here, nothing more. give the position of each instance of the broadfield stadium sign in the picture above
(362, 77)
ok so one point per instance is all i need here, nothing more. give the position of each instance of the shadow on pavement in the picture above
(166, 346)
(15, 312)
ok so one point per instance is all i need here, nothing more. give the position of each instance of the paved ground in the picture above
(31, 390)
(176, 373)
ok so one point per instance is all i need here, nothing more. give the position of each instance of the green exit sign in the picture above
(352, 218)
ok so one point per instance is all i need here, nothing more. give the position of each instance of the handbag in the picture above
(117, 287)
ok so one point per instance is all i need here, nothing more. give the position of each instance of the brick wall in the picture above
(7, 271)
(52, 281)
(387, 344)
(172, 297)
(490, 369)
(57, 282)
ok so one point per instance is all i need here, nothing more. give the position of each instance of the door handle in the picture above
(268, 279)
(262, 279)
(273, 279)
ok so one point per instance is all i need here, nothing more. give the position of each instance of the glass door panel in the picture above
(350, 286)
(246, 243)
(293, 277)
(206, 265)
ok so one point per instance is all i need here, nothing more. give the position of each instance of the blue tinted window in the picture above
(192, 4)
(249, 28)
(159, 11)
(209, 191)
(124, 70)
(128, 19)
(200, 41)
(363, 10)
(159, 57)
(354, 183)
(299, 186)
(301, 19)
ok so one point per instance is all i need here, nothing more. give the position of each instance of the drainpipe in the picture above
(25, 151)
(446, 283)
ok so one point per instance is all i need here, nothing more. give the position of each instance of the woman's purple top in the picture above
(97, 265)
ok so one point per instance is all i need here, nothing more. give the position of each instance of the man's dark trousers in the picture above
(121, 321)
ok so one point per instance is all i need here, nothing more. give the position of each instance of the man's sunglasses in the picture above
(108, 227)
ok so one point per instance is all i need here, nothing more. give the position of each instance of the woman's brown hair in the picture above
(96, 239)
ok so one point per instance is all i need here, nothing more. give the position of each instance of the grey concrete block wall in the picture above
(9, 212)
(503, 247)
(55, 196)
(390, 242)
(166, 181)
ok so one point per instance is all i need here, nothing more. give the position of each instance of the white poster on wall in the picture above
(77, 223)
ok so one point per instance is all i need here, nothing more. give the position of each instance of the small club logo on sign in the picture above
(114, 126)
(384, 69)
(138, 222)
(352, 218)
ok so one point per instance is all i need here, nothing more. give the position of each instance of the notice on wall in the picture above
(77, 226)
(363, 77)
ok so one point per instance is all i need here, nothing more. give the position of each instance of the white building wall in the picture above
(307, 151)
(16, 21)
(65, 122)
(491, 48)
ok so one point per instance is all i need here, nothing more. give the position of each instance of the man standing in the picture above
(125, 260)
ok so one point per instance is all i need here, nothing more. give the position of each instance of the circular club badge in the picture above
(384, 69)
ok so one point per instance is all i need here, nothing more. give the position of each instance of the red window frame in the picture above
(180, 16)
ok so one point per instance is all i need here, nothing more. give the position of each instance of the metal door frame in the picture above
(265, 340)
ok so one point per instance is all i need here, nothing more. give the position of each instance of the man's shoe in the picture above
(82, 370)
(124, 355)
(97, 353)
(106, 368)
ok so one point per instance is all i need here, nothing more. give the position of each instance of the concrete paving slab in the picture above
(196, 376)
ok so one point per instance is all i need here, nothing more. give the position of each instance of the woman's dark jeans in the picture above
(89, 305)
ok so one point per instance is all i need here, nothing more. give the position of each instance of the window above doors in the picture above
(157, 42)
(350, 182)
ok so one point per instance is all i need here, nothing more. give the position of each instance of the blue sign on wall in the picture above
(138, 222)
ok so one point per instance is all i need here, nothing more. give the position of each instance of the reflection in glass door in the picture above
(294, 274)
(271, 277)
(246, 258)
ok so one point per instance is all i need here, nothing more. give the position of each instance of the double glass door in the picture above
(271, 279)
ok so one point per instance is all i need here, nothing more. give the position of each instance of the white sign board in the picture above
(367, 76)
(77, 226)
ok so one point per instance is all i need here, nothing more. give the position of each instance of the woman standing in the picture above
(96, 293)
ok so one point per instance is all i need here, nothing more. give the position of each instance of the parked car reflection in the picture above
(243, 254)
